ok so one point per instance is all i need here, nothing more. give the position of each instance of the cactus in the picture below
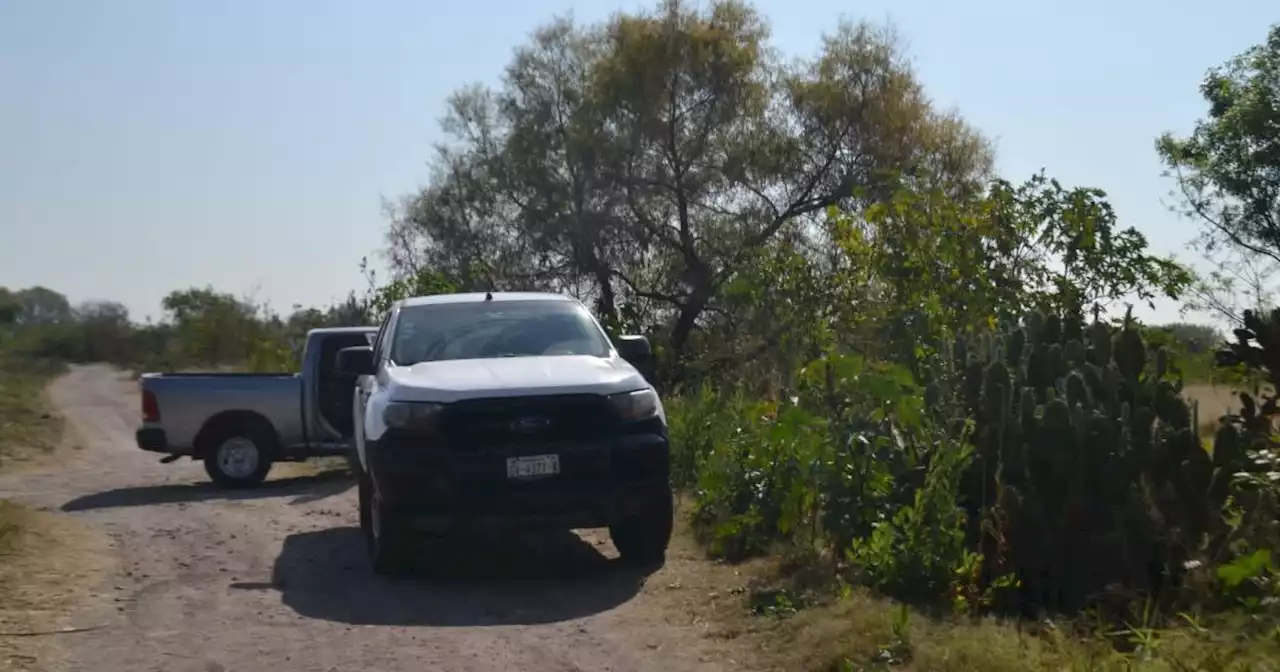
(1035, 325)
(1110, 478)
(1130, 352)
(973, 384)
(1075, 354)
(1078, 391)
(1099, 344)
(1052, 329)
(995, 392)
(1017, 343)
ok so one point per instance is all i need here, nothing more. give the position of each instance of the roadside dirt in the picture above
(276, 579)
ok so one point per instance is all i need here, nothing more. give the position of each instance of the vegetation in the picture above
(202, 328)
(47, 562)
(907, 384)
(28, 428)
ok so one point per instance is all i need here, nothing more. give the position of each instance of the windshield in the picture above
(478, 330)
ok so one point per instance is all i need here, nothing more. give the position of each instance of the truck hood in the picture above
(460, 379)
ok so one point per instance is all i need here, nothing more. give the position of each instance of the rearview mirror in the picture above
(638, 351)
(356, 361)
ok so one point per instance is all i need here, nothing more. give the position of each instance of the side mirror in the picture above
(638, 351)
(356, 361)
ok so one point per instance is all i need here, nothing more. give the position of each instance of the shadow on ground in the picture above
(532, 579)
(303, 489)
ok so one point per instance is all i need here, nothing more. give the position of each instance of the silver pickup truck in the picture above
(239, 424)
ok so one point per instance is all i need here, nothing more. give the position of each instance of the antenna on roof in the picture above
(488, 296)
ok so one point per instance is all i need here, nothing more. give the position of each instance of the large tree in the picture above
(649, 162)
(41, 305)
(1228, 169)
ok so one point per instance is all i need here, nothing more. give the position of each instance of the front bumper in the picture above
(443, 488)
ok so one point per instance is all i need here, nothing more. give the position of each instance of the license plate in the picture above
(533, 466)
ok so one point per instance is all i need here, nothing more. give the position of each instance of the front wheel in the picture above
(238, 460)
(353, 461)
(642, 539)
(387, 535)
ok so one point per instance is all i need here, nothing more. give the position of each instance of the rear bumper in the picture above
(599, 482)
(152, 439)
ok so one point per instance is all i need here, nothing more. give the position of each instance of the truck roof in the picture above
(476, 297)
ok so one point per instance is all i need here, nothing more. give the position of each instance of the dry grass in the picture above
(321, 467)
(1213, 401)
(30, 432)
(863, 631)
(50, 565)
(789, 615)
(866, 632)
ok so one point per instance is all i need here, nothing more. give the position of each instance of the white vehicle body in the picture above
(507, 408)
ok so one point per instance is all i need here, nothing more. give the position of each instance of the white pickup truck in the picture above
(513, 409)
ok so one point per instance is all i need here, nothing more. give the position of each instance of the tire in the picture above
(387, 535)
(353, 461)
(642, 539)
(239, 459)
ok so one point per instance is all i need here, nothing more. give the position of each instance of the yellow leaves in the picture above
(648, 55)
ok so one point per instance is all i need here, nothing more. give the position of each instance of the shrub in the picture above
(1055, 457)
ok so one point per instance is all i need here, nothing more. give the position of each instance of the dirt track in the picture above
(276, 579)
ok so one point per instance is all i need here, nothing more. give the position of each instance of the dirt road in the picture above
(276, 579)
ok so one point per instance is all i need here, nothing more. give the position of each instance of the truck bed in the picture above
(187, 401)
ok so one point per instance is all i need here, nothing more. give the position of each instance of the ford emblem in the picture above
(530, 423)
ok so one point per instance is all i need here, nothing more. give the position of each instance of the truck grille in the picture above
(489, 423)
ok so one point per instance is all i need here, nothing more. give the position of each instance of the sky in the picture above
(151, 145)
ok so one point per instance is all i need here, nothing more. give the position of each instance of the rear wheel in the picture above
(388, 536)
(642, 539)
(238, 459)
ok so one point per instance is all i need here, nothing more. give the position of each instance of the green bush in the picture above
(1055, 458)
(850, 462)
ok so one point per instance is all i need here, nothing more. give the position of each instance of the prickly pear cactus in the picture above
(1130, 352)
(1089, 432)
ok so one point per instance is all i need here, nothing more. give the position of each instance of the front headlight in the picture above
(409, 415)
(638, 405)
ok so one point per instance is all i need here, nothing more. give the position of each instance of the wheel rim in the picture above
(238, 457)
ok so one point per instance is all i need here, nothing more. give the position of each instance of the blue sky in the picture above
(148, 145)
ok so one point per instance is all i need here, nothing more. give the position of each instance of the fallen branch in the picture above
(41, 633)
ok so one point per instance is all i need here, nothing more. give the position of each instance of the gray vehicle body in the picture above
(304, 414)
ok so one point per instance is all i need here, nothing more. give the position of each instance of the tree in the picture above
(105, 331)
(41, 305)
(212, 327)
(1195, 337)
(1228, 170)
(1242, 280)
(649, 162)
(934, 263)
(10, 307)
